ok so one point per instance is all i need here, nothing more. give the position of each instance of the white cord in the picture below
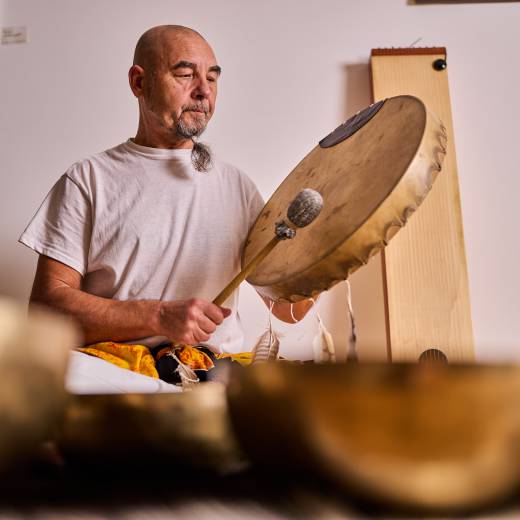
(292, 314)
(352, 349)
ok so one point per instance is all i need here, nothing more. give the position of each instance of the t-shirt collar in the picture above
(159, 153)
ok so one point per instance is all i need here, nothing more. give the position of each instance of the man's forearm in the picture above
(103, 319)
(184, 321)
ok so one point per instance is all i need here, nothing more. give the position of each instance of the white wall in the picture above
(293, 70)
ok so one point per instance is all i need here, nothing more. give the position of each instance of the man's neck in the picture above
(157, 140)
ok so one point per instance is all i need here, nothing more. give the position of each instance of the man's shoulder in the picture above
(225, 166)
(105, 161)
(241, 184)
(231, 171)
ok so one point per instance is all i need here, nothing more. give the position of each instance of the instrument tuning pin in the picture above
(439, 64)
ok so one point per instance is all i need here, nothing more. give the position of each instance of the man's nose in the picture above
(202, 89)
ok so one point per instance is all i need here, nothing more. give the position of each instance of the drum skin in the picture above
(370, 182)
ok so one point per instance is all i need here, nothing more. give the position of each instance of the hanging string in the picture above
(292, 314)
(323, 347)
(274, 342)
(352, 348)
(268, 344)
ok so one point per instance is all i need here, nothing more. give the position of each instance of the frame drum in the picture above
(372, 172)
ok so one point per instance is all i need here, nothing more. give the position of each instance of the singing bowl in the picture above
(34, 351)
(190, 429)
(425, 437)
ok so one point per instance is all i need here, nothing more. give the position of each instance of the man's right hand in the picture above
(189, 321)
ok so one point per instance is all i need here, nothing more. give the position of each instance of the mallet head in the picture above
(305, 207)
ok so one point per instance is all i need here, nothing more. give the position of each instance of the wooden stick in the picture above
(246, 271)
(305, 207)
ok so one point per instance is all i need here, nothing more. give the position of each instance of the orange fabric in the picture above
(194, 358)
(188, 355)
(197, 359)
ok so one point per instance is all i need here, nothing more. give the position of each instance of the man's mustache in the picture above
(195, 108)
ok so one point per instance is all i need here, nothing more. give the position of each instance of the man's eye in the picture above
(188, 75)
(212, 79)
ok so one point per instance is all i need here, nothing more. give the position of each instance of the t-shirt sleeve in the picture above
(62, 226)
(256, 204)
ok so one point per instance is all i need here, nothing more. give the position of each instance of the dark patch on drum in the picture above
(351, 125)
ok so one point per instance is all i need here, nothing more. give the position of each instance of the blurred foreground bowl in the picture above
(34, 351)
(420, 437)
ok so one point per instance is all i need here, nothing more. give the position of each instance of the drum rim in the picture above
(340, 242)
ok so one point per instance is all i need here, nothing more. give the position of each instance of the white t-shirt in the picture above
(141, 223)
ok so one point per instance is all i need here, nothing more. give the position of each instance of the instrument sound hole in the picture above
(433, 355)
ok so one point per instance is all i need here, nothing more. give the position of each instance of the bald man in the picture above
(136, 241)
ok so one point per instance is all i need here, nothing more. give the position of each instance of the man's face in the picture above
(179, 94)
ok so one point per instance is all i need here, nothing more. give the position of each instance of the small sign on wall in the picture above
(14, 35)
(459, 1)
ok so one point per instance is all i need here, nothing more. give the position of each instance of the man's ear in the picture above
(136, 80)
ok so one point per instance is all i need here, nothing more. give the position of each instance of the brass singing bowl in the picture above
(34, 351)
(191, 429)
(423, 437)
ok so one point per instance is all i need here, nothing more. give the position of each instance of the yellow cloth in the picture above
(136, 358)
(244, 358)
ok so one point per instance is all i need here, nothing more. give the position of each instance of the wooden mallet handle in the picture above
(302, 211)
(246, 271)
